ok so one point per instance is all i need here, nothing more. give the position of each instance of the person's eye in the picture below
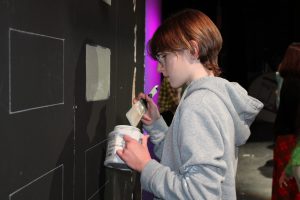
(163, 56)
(160, 57)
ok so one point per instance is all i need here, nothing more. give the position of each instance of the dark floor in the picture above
(254, 174)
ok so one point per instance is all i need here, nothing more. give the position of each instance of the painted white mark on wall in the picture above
(97, 73)
(107, 1)
(133, 83)
(135, 40)
(134, 5)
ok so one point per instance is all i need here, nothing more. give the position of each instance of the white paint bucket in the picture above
(116, 142)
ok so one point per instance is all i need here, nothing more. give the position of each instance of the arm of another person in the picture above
(294, 161)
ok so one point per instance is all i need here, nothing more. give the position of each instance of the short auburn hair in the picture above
(177, 32)
(290, 64)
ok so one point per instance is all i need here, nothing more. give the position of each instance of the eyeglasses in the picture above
(162, 56)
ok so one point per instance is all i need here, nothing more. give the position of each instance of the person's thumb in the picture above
(120, 153)
(127, 138)
(149, 100)
(145, 140)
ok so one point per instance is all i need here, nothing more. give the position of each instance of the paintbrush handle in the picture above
(151, 94)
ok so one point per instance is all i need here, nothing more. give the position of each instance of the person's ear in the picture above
(195, 49)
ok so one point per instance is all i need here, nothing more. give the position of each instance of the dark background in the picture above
(255, 32)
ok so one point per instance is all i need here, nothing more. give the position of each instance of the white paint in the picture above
(134, 5)
(133, 84)
(97, 73)
(107, 2)
(134, 43)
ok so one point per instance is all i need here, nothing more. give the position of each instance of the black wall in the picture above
(52, 141)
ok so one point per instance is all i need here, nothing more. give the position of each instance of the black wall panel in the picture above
(52, 141)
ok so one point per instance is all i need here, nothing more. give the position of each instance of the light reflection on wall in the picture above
(153, 20)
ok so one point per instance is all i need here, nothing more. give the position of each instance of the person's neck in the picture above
(199, 71)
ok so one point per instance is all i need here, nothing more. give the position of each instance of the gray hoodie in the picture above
(198, 152)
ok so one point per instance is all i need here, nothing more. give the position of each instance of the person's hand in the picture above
(152, 113)
(283, 180)
(134, 154)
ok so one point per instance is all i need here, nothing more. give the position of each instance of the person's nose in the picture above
(160, 68)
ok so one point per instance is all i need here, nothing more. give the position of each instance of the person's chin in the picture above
(175, 85)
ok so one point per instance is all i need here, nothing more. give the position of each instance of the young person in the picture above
(287, 129)
(198, 152)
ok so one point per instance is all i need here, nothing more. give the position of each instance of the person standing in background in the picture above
(287, 124)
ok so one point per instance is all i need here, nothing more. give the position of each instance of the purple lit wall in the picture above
(151, 77)
(153, 20)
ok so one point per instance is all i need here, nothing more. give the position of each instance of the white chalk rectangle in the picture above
(36, 71)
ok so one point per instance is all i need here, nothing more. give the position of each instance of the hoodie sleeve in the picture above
(157, 132)
(201, 149)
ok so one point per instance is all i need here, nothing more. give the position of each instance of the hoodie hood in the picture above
(242, 107)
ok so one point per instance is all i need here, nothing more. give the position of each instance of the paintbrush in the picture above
(136, 112)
